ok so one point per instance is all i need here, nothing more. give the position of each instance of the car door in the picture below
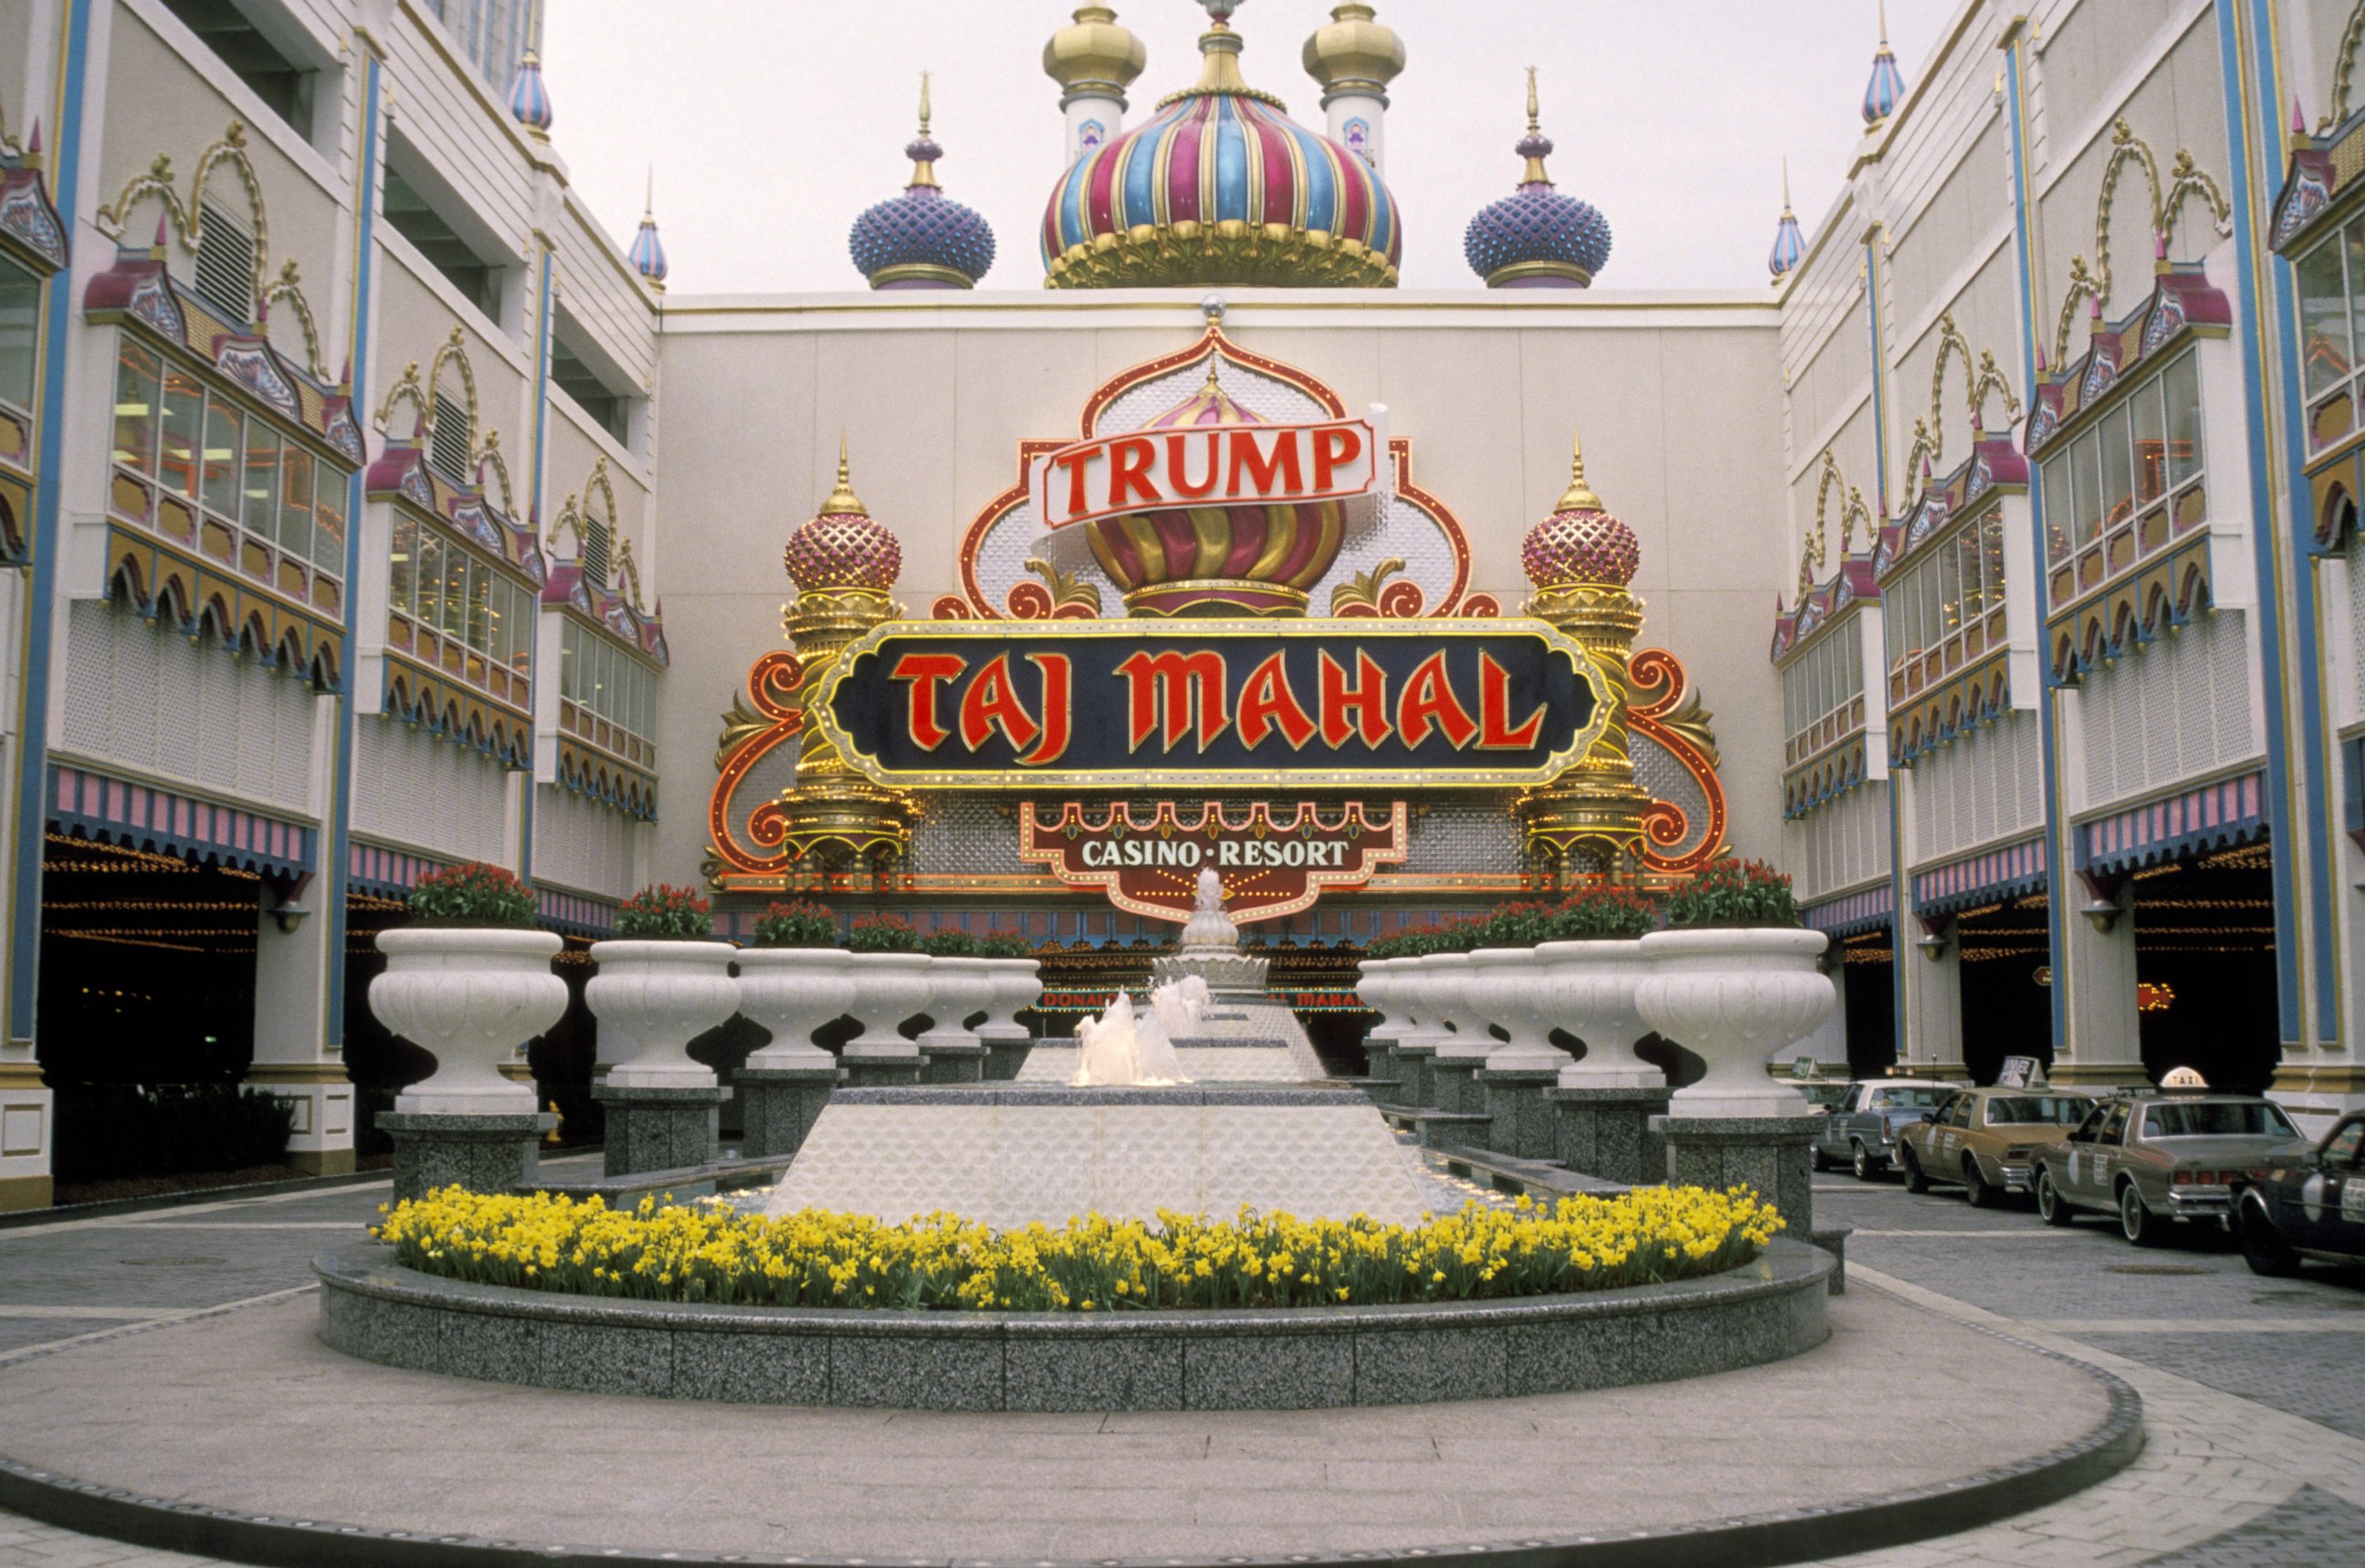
(2330, 1212)
(1947, 1134)
(2085, 1167)
(1835, 1125)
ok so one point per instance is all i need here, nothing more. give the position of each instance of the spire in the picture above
(1535, 147)
(529, 99)
(1219, 51)
(1789, 245)
(1887, 88)
(1579, 495)
(843, 501)
(922, 149)
(647, 254)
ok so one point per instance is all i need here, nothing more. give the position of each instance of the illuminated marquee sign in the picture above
(1274, 860)
(1205, 466)
(1221, 704)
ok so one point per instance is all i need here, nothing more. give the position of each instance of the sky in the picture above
(770, 125)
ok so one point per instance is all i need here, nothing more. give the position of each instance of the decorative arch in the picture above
(406, 388)
(1981, 380)
(1813, 555)
(579, 519)
(628, 577)
(488, 459)
(455, 351)
(2185, 179)
(285, 289)
(2344, 66)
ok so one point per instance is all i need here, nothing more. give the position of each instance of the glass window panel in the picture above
(1968, 563)
(1950, 594)
(2055, 475)
(2118, 469)
(401, 570)
(1855, 660)
(1991, 546)
(481, 606)
(328, 533)
(260, 486)
(20, 332)
(566, 686)
(2182, 386)
(430, 579)
(135, 407)
(454, 620)
(223, 446)
(2324, 325)
(295, 501)
(177, 462)
(2151, 446)
(2089, 501)
(2353, 240)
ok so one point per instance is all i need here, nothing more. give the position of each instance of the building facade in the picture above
(334, 521)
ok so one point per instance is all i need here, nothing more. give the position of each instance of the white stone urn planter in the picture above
(887, 989)
(791, 991)
(1730, 995)
(1591, 985)
(664, 994)
(1379, 991)
(959, 988)
(1507, 984)
(472, 995)
(1012, 985)
(1424, 985)
(1452, 978)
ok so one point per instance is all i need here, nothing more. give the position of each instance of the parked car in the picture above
(1861, 1132)
(1823, 1094)
(2154, 1159)
(1988, 1139)
(2311, 1208)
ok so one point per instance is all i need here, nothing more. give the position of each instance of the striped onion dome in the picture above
(922, 239)
(1789, 245)
(1887, 88)
(1537, 237)
(529, 99)
(1216, 560)
(1580, 544)
(1221, 186)
(843, 547)
(647, 254)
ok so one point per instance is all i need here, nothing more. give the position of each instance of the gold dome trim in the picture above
(1231, 253)
(1094, 56)
(1353, 54)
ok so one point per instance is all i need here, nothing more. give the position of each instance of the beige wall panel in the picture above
(1966, 215)
(2313, 31)
(1836, 381)
(714, 637)
(1447, 390)
(892, 396)
(740, 472)
(1613, 388)
(1851, 446)
(1719, 442)
(1720, 637)
(413, 322)
(572, 454)
(17, 55)
(1983, 313)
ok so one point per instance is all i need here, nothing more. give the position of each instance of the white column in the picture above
(2105, 1048)
(1933, 979)
(1357, 121)
(293, 1060)
(1091, 122)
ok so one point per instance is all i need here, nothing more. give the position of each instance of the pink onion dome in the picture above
(844, 546)
(1580, 543)
(1217, 560)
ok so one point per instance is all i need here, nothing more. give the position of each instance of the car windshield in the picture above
(1906, 1099)
(2050, 1110)
(2218, 1118)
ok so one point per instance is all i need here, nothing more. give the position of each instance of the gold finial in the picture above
(922, 149)
(1579, 495)
(1219, 52)
(1535, 125)
(1214, 359)
(1884, 24)
(843, 501)
(1786, 181)
(924, 103)
(649, 206)
(1535, 144)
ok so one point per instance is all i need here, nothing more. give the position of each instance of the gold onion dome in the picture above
(1351, 53)
(1092, 57)
(844, 546)
(1221, 186)
(1580, 543)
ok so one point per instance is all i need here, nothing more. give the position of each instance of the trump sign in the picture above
(1205, 466)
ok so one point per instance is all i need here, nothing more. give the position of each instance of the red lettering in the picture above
(1367, 699)
(1177, 472)
(1429, 703)
(1261, 470)
(1076, 463)
(1174, 689)
(924, 670)
(1495, 732)
(1129, 461)
(990, 703)
(1334, 448)
(1058, 683)
(1267, 703)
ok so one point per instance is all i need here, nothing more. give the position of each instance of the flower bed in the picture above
(709, 1253)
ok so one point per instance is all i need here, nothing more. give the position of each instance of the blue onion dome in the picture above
(1221, 186)
(647, 254)
(1537, 237)
(1887, 88)
(922, 239)
(1789, 245)
(529, 99)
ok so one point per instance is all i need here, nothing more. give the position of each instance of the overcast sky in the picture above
(771, 124)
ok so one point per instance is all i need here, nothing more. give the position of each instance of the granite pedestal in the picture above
(483, 1154)
(1005, 1054)
(1609, 1133)
(883, 1073)
(1455, 1084)
(1767, 1154)
(955, 1064)
(1414, 1062)
(1524, 1120)
(660, 1129)
(778, 1106)
(1380, 1057)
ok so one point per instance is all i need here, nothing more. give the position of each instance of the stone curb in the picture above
(1759, 1540)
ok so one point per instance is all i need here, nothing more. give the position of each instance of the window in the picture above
(447, 450)
(2331, 280)
(1819, 692)
(225, 270)
(595, 548)
(1947, 607)
(453, 609)
(608, 696)
(492, 34)
(287, 87)
(2037, 1110)
(2218, 1118)
(20, 333)
(608, 411)
(422, 207)
(2129, 483)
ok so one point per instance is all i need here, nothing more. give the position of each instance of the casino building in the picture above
(367, 505)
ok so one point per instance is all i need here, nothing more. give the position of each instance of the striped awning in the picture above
(1869, 910)
(2216, 816)
(1982, 878)
(571, 914)
(141, 816)
(385, 873)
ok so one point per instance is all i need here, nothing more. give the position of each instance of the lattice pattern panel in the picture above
(1480, 837)
(2352, 561)
(582, 845)
(1985, 786)
(2168, 710)
(411, 789)
(967, 838)
(150, 698)
(1665, 778)
(1840, 843)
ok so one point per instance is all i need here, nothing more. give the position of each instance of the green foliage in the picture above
(798, 924)
(1458, 934)
(1729, 893)
(949, 943)
(664, 913)
(1515, 925)
(1603, 914)
(474, 894)
(882, 933)
(1004, 944)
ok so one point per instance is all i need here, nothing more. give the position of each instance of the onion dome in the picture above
(1353, 56)
(922, 239)
(1092, 57)
(1537, 237)
(1580, 544)
(529, 99)
(1789, 245)
(844, 546)
(647, 254)
(1217, 560)
(1887, 88)
(1221, 186)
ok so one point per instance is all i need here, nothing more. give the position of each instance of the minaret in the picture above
(647, 254)
(1789, 245)
(1887, 88)
(529, 98)
(1093, 61)
(1354, 58)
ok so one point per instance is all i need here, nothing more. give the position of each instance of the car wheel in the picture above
(1817, 1157)
(2051, 1206)
(1861, 1163)
(1975, 1186)
(2137, 1223)
(1915, 1182)
(2263, 1248)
